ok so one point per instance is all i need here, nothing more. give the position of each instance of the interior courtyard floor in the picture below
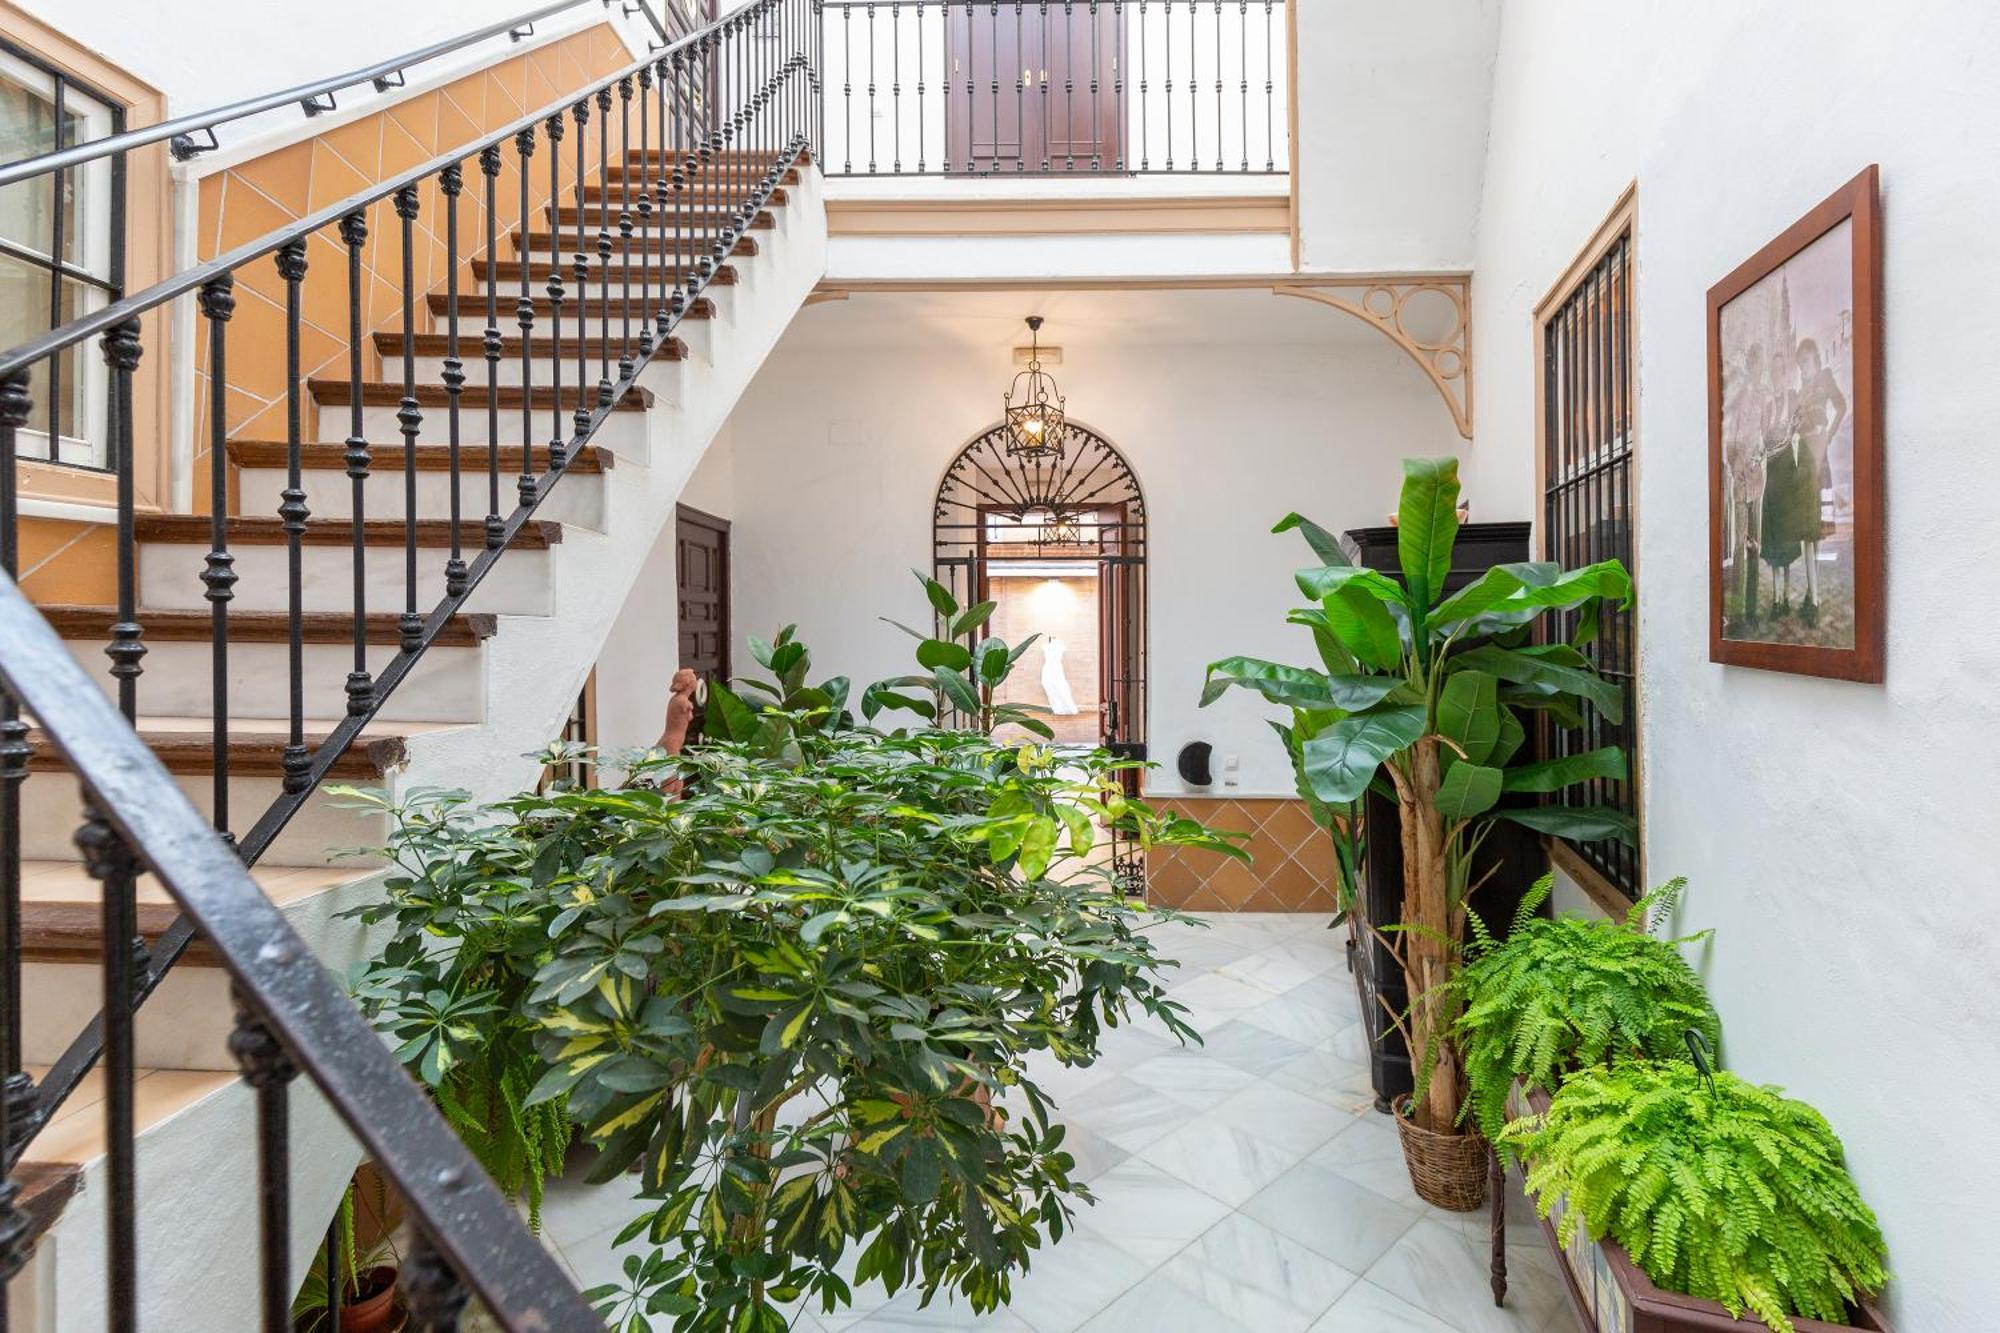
(1244, 1184)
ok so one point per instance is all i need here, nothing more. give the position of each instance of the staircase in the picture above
(501, 670)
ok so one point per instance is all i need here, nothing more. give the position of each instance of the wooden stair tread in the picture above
(389, 456)
(193, 625)
(538, 243)
(62, 906)
(45, 1190)
(76, 1135)
(606, 216)
(384, 393)
(509, 270)
(256, 746)
(473, 308)
(437, 344)
(192, 529)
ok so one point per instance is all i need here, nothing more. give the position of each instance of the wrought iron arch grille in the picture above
(1084, 505)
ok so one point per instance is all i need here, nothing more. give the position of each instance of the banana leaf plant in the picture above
(1427, 693)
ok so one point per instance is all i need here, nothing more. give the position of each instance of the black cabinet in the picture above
(1512, 854)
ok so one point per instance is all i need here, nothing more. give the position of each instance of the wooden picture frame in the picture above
(1781, 424)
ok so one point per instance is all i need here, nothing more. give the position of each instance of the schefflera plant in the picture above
(1424, 692)
(801, 997)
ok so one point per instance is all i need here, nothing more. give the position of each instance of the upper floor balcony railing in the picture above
(1056, 88)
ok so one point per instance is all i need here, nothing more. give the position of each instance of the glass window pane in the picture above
(79, 416)
(28, 128)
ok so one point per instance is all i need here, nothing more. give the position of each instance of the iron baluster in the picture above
(1096, 96)
(603, 249)
(923, 137)
(1167, 84)
(410, 418)
(1145, 103)
(645, 211)
(847, 87)
(292, 515)
(334, 1280)
(1218, 85)
(1270, 98)
(218, 575)
(993, 45)
(451, 181)
(1020, 92)
(1118, 79)
(625, 227)
(110, 862)
(490, 346)
(524, 316)
(558, 436)
(269, 1071)
(17, 1089)
(358, 458)
(1243, 84)
(580, 267)
(1069, 85)
(1043, 84)
(121, 352)
(871, 89)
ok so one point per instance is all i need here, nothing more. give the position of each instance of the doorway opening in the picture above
(1059, 545)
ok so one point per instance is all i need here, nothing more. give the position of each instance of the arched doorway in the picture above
(1059, 545)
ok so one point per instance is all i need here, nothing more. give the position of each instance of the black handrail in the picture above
(382, 76)
(723, 116)
(292, 1016)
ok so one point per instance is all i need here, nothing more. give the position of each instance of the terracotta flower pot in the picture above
(1448, 1170)
(374, 1311)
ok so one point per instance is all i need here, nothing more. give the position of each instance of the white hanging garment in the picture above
(1055, 685)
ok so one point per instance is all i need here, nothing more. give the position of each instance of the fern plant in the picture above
(1716, 1187)
(1564, 994)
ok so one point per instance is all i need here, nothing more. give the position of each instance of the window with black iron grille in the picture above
(62, 249)
(1587, 508)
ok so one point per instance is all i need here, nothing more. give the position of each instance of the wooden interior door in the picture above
(1033, 88)
(701, 566)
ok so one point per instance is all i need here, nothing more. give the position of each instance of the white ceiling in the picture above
(991, 321)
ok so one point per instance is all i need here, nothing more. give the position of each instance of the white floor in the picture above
(1245, 1184)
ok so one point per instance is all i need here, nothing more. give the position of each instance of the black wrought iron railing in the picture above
(649, 181)
(996, 88)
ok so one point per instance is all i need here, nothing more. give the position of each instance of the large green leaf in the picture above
(1521, 590)
(1552, 666)
(1427, 527)
(1360, 624)
(940, 596)
(727, 717)
(1578, 823)
(1320, 583)
(1468, 789)
(1324, 544)
(1555, 774)
(1468, 713)
(957, 689)
(1512, 737)
(1340, 762)
(1297, 687)
(935, 653)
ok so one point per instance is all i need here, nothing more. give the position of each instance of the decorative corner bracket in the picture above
(1443, 354)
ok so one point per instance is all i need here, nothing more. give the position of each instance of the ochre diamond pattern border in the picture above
(1291, 861)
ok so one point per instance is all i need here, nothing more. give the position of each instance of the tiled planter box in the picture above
(1609, 1293)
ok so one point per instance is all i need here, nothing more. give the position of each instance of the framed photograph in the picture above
(1795, 447)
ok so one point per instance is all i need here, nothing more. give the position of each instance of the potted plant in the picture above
(367, 1287)
(1569, 993)
(800, 993)
(1425, 691)
(1706, 1198)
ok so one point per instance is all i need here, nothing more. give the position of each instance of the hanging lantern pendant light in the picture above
(1034, 406)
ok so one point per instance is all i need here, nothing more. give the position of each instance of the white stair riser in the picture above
(378, 424)
(170, 576)
(579, 500)
(184, 1024)
(52, 811)
(470, 329)
(447, 684)
(658, 296)
(430, 370)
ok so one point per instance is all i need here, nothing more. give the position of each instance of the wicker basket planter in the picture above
(1610, 1294)
(1446, 1170)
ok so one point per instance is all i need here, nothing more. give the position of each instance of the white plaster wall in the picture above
(1836, 835)
(839, 445)
(1392, 131)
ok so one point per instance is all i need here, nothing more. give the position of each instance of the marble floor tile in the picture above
(1320, 1074)
(1222, 1160)
(1367, 1308)
(1268, 1282)
(1157, 1305)
(1148, 1213)
(1333, 1216)
(1308, 1019)
(1289, 1119)
(1435, 1268)
(941, 1313)
(1073, 1280)
(1212, 998)
(1256, 1051)
(1272, 970)
(1128, 1114)
(1192, 1076)
(1369, 1153)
